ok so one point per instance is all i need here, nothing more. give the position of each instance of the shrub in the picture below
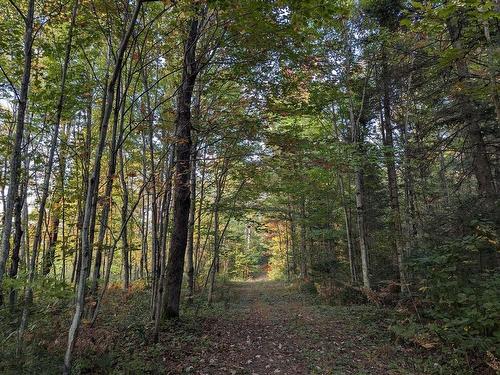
(461, 305)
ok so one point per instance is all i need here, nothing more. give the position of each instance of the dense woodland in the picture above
(350, 149)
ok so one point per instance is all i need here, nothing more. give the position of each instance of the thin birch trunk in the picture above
(90, 201)
(15, 159)
(124, 216)
(28, 296)
(191, 220)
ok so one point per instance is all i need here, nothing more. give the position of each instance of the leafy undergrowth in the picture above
(253, 328)
(455, 339)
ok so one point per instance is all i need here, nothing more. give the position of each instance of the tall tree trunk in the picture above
(25, 243)
(360, 210)
(191, 219)
(164, 228)
(143, 267)
(46, 182)
(493, 48)
(155, 248)
(389, 154)
(161, 287)
(58, 209)
(175, 265)
(107, 198)
(18, 234)
(197, 250)
(293, 236)
(192, 207)
(409, 180)
(215, 260)
(124, 217)
(20, 228)
(287, 254)
(75, 273)
(50, 256)
(477, 147)
(15, 159)
(55, 215)
(62, 177)
(357, 138)
(109, 261)
(91, 201)
(479, 155)
(345, 207)
(303, 242)
(219, 235)
(348, 228)
(55, 137)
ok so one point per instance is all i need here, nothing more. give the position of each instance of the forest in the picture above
(250, 187)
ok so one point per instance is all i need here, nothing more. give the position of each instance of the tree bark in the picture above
(293, 236)
(18, 234)
(53, 234)
(197, 251)
(479, 155)
(107, 199)
(345, 208)
(55, 137)
(357, 138)
(175, 265)
(124, 217)
(348, 228)
(164, 227)
(492, 50)
(389, 154)
(191, 219)
(25, 243)
(155, 248)
(215, 260)
(90, 201)
(360, 210)
(15, 159)
(143, 267)
(476, 145)
(303, 242)
(28, 295)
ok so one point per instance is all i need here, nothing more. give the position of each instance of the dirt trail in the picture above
(263, 327)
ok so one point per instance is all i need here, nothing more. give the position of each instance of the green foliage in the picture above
(246, 263)
(385, 12)
(460, 306)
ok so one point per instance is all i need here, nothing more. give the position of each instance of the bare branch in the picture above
(18, 10)
(11, 84)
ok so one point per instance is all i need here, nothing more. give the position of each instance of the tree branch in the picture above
(18, 10)
(10, 82)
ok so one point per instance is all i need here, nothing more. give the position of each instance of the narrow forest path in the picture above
(252, 328)
(264, 327)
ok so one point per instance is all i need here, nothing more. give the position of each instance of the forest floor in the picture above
(255, 327)
(267, 328)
